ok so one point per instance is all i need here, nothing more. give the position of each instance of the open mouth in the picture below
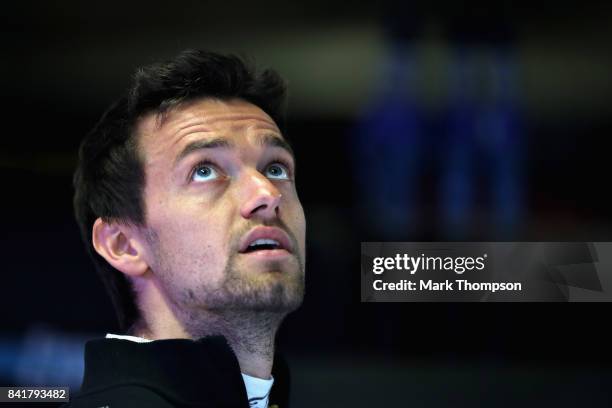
(266, 240)
(263, 245)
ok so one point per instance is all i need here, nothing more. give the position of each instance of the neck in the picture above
(250, 333)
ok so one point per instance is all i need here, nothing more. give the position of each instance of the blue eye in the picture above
(277, 171)
(204, 172)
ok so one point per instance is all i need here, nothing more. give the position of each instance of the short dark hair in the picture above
(109, 178)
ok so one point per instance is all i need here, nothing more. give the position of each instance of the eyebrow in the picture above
(275, 141)
(223, 143)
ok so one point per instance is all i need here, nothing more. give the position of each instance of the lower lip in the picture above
(268, 254)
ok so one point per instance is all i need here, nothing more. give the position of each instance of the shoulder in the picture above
(120, 396)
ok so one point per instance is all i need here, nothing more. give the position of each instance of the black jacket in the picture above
(168, 373)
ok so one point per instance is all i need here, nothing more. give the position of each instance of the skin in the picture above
(185, 264)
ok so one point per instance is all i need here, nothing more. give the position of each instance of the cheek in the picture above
(192, 241)
(302, 220)
(299, 225)
(195, 237)
(190, 258)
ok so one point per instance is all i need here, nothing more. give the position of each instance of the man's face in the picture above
(219, 178)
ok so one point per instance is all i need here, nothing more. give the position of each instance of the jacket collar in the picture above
(203, 371)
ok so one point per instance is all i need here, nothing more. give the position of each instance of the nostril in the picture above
(261, 207)
(263, 201)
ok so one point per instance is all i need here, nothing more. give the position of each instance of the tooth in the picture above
(264, 241)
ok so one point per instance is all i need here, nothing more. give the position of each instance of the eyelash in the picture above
(277, 160)
(285, 164)
(198, 165)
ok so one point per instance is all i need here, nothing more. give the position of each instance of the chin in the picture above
(279, 296)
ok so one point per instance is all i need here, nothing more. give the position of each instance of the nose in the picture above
(261, 197)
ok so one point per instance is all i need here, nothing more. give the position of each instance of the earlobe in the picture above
(119, 246)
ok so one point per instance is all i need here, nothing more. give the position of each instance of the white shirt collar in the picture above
(130, 338)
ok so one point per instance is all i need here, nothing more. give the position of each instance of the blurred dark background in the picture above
(411, 121)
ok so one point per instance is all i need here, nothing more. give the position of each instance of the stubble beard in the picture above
(245, 307)
(281, 294)
(246, 312)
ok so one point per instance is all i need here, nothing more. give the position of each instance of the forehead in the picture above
(199, 119)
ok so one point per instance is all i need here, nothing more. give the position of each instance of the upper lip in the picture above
(274, 233)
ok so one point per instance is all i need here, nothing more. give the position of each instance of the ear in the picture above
(120, 246)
